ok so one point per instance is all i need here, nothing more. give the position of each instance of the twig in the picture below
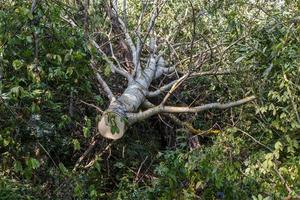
(255, 140)
(89, 149)
(47, 154)
(138, 172)
(92, 105)
(94, 160)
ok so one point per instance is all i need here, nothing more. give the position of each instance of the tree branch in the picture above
(33, 6)
(162, 89)
(212, 72)
(128, 38)
(187, 126)
(105, 86)
(102, 82)
(134, 117)
(174, 87)
(163, 70)
(192, 75)
(111, 64)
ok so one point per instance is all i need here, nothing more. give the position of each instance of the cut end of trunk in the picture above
(112, 125)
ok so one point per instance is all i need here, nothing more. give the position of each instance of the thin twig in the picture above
(89, 149)
(138, 172)
(92, 105)
(255, 140)
(94, 160)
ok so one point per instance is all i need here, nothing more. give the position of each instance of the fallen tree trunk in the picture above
(124, 110)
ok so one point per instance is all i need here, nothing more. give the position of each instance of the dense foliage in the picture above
(47, 122)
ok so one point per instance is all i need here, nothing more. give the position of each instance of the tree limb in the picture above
(134, 117)
(192, 75)
(162, 89)
(104, 85)
(129, 40)
(188, 126)
(174, 87)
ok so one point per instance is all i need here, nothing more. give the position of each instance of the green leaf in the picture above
(114, 129)
(97, 166)
(78, 190)
(30, 16)
(37, 92)
(16, 91)
(239, 59)
(58, 58)
(17, 64)
(63, 169)
(70, 71)
(93, 193)
(199, 184)
(29, 39)
(107, 71)
(35, 108)
(32, 163)
(119, 165)
(78, 55)
(5, 142)
(99, 99)
(278, 146)
(76, 144)
(86, 132)
(18, 166)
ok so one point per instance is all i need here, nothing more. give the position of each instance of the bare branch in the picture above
(92, 105)
(174, 87)
(115, 6)
(126, 33)
(195, 74)
(163, 70)
(99, 155)
(124, 12)
(156, 10)
(83, 156)
(162, 89)
(134, 117)
(208, 73)
(69, 21)
(111, 64)
(150, 31)
(102, 82)
(189, 127)
(105, 86)
(139, 26)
